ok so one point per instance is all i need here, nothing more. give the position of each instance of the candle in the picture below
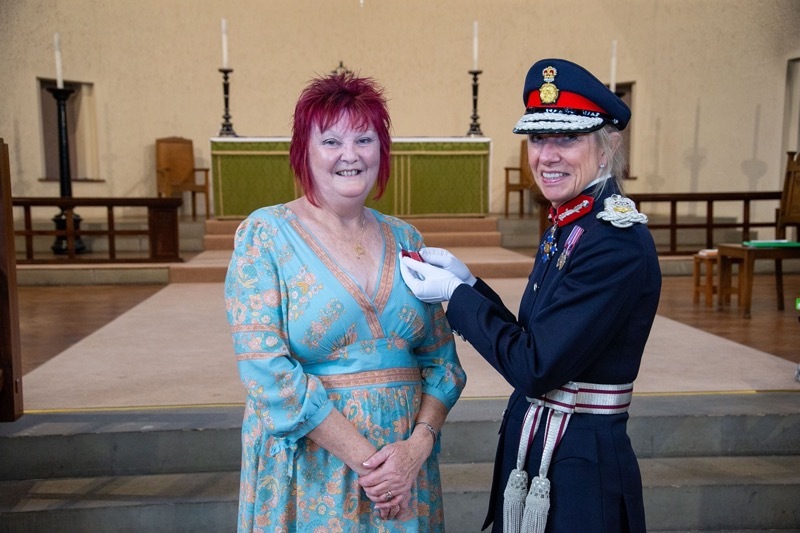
(475, 45)
(613, 83)
(224, 43)
(59, 73)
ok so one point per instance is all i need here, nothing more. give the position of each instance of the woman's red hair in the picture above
(321, 104)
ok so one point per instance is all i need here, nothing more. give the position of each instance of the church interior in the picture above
(127, 402)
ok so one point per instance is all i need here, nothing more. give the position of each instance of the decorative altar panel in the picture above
(431, 176)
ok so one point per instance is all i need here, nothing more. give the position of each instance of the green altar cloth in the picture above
(431, 176)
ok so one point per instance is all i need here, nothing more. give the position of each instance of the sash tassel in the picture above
(528, 514)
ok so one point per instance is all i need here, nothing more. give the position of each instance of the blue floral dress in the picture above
(308, 340)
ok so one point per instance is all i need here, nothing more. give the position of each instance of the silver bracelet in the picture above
(429, 428)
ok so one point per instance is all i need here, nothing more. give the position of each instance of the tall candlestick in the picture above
(224, 43)
(59, 70)
(613, 82)
(475, 126)
(475, 45)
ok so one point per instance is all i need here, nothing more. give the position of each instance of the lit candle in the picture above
(59, 73)
(224, 43)
(613, 83)
(475, 45)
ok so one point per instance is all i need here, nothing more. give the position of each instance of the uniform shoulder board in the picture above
(621, 212)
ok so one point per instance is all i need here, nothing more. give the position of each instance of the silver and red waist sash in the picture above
(525, 509)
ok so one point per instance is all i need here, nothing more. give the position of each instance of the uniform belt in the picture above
(526, 514)
(590, 398)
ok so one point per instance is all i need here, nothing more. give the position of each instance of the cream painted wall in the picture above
(710, 76)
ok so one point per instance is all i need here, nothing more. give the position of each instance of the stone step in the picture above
(222, 226)
(721, 462)
(481, 231)
(754, 493)
(155, 441)
(197, 269)
(451, 225)
(153, 503)
(462, 238)
(423, 224)
(681, 494)
(483, 261)
(441, 239)
(218, 241)
(679, 425)
(94, 274)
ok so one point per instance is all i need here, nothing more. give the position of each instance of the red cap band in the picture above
(566, 99)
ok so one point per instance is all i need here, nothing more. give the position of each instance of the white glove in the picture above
(442, 258)
(429, 283)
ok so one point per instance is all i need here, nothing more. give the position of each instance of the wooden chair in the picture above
(525, 182)
(788, 214)
(176, 173)
(789, 211)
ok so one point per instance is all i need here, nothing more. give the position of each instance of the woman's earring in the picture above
(602, 165)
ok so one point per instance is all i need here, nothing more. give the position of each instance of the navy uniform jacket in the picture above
(588, 321)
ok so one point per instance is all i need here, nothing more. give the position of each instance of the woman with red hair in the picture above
(349, 377)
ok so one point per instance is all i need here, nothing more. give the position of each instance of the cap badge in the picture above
(548, 93)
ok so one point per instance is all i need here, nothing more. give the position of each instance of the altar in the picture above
(430, 176)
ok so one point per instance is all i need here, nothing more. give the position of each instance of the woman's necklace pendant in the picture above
(358, 246)
(359, 249)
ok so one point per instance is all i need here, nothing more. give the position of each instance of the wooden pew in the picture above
(10, 353)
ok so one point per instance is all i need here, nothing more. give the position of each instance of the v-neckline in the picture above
(385, 279)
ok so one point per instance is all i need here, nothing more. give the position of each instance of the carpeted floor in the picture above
(174, 349)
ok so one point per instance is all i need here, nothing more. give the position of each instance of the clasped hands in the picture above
(392, 471)
(437, 278)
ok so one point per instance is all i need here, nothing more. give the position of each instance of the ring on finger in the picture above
(388, 496)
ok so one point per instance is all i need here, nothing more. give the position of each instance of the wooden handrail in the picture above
(673, 225)
(161, 230)
(746, 224)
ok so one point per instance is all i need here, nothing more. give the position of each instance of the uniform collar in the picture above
(572, 210)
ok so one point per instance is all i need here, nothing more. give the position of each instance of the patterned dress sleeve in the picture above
(442, 374)
(288, 402)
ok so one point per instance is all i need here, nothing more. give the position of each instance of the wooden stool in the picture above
(705, 260)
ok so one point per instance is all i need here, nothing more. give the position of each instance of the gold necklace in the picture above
(358, 245)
